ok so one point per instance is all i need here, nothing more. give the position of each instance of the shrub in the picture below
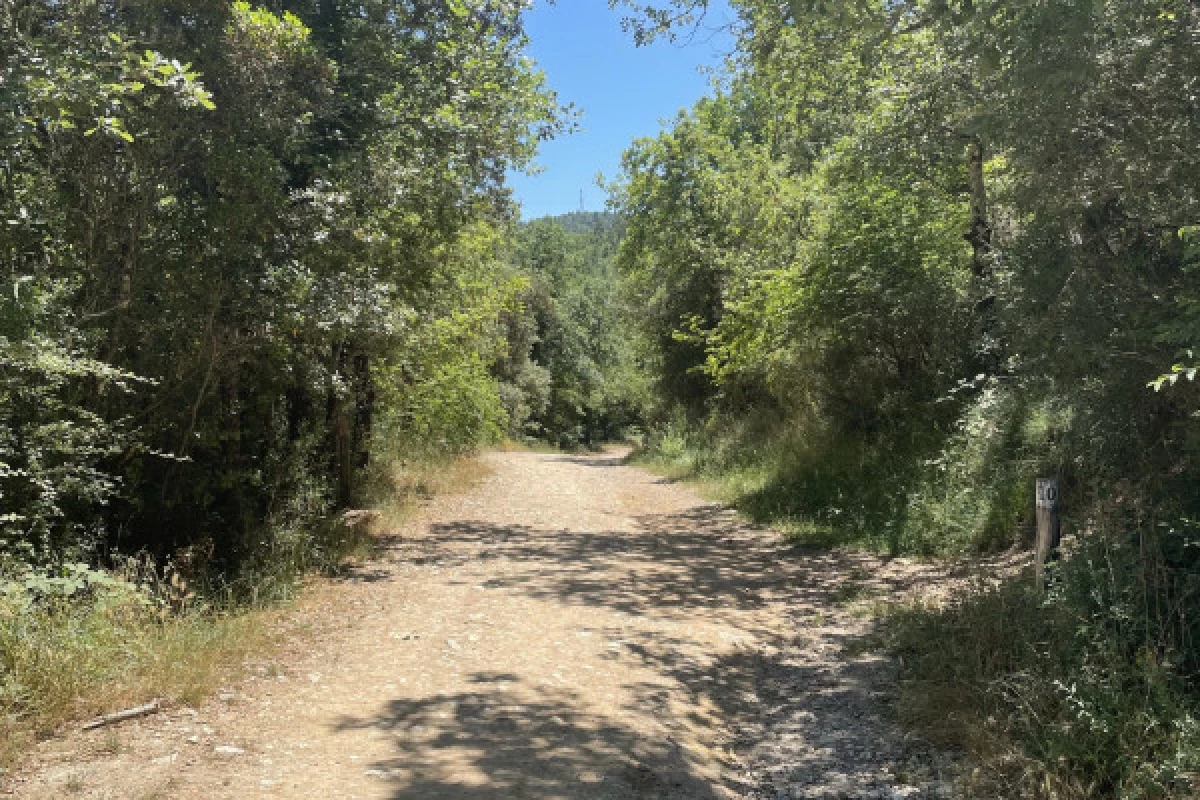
(1087, 691)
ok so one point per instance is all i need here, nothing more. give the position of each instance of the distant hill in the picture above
(589, 222)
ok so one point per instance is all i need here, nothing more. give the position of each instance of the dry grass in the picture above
(89, 657)
(71, 660)
(526, 446)
(413, 482)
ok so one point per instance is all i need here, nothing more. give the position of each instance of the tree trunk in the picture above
(364, 410)
(232, 444)
(345, 463)
(339, 429)
(980, 234)
(990, 349)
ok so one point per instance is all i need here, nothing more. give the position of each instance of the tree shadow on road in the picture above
(509, 740)
(704, 558)
(701, 565)
(602, 460)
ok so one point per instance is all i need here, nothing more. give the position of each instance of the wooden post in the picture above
(1048, 530)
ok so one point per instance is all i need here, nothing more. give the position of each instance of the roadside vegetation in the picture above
(908, 257)
(255, 270)
(258, 266)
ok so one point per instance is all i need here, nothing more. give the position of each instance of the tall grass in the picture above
(1088, 691)
(71, 658)
(918, 487)
(156, 633)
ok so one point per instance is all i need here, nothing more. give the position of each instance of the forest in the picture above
(905, 258)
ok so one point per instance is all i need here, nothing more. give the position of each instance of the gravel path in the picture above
(570, 628)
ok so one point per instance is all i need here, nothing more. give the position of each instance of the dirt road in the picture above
(570, 628)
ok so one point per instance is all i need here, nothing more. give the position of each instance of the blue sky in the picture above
(622, 90)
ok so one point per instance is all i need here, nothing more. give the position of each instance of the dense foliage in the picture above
(908, 256)
(573, 376)
(912, 255)
(237, 241)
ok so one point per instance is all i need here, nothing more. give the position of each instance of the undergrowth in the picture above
(923, 488)
(77, 641)
(1090, 690)
(1086, 691)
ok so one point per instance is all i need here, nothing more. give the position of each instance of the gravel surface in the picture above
(569, 628)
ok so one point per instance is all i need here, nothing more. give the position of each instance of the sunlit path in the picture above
(572, 628)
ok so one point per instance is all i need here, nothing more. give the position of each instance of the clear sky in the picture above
(622, 90)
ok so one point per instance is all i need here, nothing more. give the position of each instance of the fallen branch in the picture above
(153, 707)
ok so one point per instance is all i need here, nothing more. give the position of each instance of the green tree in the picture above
(573, 370)
(270, 212)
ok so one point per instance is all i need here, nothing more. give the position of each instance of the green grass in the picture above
(121, 644)
(78, 658)
(919, 487)
(1081, 694)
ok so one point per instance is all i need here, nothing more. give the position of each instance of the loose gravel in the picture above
(570, 628)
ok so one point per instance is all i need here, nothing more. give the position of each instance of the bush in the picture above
(1086, 692)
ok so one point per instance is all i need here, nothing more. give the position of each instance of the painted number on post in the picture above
(1047, 493)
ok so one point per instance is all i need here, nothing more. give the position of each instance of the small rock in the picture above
(359, 518)
(228, 750)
